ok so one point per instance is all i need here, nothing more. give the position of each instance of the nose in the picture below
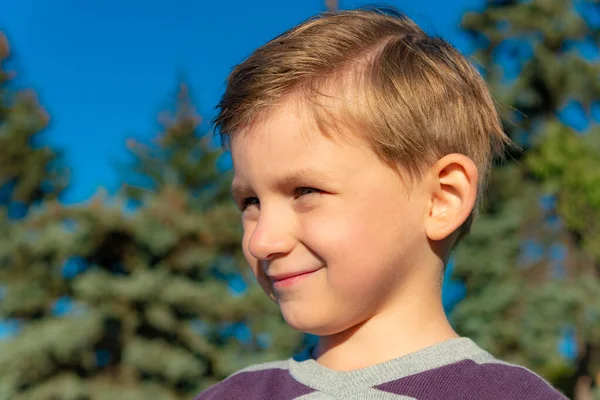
(271, 237)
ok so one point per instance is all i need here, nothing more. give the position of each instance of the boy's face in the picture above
(330, 209)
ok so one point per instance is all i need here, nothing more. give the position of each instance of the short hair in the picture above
(413, 96)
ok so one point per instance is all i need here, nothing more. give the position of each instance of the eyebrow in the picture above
(301, 177)
(239, 190)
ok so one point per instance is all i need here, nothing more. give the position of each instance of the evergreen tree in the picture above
(28, 171)
(177, 157)
(31, 178)
(531, 264)
(155, 303)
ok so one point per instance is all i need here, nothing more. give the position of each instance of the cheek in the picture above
(358, 228)
(364, 246)
(344, 238)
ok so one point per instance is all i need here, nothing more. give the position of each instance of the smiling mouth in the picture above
(287, 280)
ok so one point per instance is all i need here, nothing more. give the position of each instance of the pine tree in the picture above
(531, 265)
(155, 302)
(28, 171)
(177, 157)
(31, 179)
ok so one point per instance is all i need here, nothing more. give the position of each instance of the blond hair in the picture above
(414, 97)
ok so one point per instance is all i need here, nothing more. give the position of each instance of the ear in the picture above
(452, 196)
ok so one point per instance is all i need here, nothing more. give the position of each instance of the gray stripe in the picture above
(310, 373)
(362, 395)
(282, 364)
(315, 396)
(376, 394)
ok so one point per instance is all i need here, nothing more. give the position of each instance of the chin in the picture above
(313, 324)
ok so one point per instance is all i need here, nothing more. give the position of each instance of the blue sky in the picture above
(105, 68)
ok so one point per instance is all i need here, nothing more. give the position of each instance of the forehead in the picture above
(287, 142)
(282, 142)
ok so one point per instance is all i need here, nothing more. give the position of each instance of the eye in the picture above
(249, 201)
(303, 191)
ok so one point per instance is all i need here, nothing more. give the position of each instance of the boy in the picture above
(361, 147)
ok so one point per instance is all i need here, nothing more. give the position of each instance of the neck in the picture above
(407, 327)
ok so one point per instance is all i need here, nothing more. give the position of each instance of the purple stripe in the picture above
(264, 384)
(469, 380)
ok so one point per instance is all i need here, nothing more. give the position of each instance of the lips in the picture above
(288, 275)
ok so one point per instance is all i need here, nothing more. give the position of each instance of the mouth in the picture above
(289, 279)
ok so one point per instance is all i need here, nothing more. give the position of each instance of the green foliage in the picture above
(173, 157)
(28, 172)
(518, 306)
(566, 164)
(145, 290)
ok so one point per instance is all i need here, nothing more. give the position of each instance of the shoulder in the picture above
(502, 380)
(480, 377)
(515, 382)
(260, 381)
(490, 378)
